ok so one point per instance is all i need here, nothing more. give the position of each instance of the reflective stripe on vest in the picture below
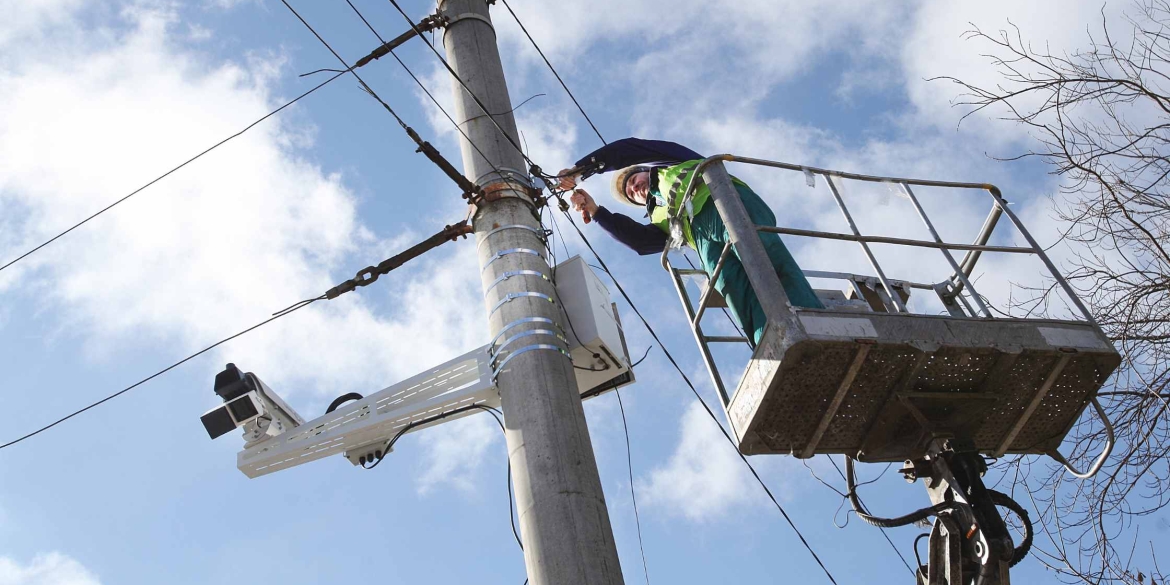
(672, 184)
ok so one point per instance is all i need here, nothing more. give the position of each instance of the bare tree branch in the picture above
(1100, 119)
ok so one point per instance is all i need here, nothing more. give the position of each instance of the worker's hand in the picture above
(568, 179)
(583, 202)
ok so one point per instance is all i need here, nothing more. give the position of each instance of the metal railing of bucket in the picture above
(958, 286)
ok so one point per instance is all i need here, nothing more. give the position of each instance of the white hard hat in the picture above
(619, 183)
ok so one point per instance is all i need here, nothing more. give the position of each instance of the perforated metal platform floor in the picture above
(879, 386)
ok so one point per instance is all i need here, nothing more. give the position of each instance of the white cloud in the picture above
(28, 19)
(228, 4)
(704, 478)
(797, 29)
(935, 47)
(218, 245)
(548, 131)
(47, 569)
(663, 66)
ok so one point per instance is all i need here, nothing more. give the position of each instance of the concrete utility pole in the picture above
(564, 523)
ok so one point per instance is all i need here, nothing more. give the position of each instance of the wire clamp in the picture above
(539, 233)
(469, 16)
(370, 274)
(504, 189)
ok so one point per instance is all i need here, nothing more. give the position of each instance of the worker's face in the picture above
(638, 187)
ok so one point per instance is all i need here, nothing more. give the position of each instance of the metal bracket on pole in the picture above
(469, 15)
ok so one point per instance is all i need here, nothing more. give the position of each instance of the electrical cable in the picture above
(918, 558)
(496, 414)
(337, 402)
(426, 91)
(365, 277)
(887, 536)
(478, 102)
(690, 385)
(643, 358)
(348, 69)
(552, 254)
(634, 499)
(511, 510)
(564, 245)
(625, 426)
(316, 71)
(554, 72)
(470, 190)
(905, 520)
(164, 175)
(513, 110)
(1000, 499)
(162, 371)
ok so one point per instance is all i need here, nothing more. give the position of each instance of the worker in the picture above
(654, 174)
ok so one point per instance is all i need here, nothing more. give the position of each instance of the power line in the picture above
(690, 385)
(426, 91)
(427, 24)
(896, 551)
(426, 148)
(554, 72)
(288, 311)
(166, 174)
(483, 107)
(364, 86)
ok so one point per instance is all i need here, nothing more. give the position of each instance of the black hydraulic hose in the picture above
(342, 400)
(906, 520)
(998, 498)
(1002, 499)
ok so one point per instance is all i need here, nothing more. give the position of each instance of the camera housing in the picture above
(249, 403)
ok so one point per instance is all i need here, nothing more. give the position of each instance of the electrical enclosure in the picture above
(596, 343)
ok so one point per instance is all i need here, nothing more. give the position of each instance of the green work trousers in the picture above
(711, 235)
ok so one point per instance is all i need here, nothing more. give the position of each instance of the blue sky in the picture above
(98, 98)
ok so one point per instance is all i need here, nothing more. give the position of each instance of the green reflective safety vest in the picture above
(672, 185)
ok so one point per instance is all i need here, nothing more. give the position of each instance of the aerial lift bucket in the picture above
(867, 379)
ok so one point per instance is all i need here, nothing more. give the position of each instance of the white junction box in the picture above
(596, 342)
